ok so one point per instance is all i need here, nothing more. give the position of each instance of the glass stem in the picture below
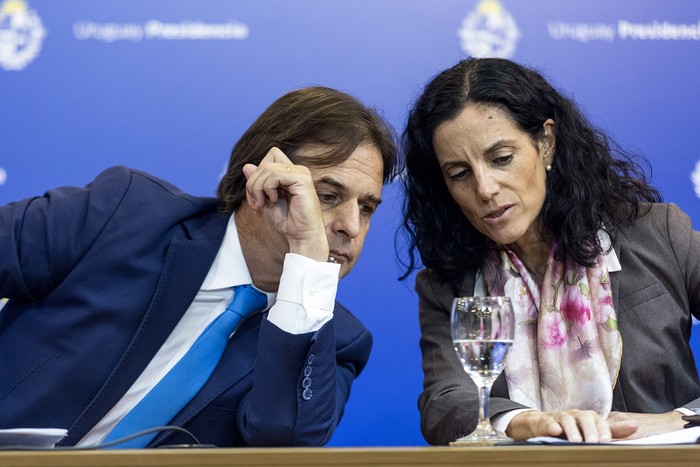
(484, 394)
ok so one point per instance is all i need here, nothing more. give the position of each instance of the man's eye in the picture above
(367, 210)
(328, 198)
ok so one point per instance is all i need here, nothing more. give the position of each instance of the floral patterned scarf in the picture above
(567, 347)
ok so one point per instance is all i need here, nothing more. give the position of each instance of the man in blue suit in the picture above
(111, 284)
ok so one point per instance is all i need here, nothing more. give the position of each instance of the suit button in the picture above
(306, 383)
(307, 371)
(306, 394)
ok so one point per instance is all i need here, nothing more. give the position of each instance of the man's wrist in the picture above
(316, 250)
(306, 295)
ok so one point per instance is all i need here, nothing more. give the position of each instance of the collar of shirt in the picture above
(229, 268)
(611, 259)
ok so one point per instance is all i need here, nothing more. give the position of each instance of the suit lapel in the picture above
(615, 282)
(237, 361)
(618, 396)
(186, 264)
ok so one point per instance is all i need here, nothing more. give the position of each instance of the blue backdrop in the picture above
(167, 86)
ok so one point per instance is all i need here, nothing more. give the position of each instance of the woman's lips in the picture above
(497, 215)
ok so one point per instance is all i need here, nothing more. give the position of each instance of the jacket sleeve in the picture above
(449, 403)
(301, 382)
(42, 238)
(685, 243)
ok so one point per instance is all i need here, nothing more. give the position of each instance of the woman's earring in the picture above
(548, 167)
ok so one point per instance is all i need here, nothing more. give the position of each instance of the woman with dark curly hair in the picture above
(509, 190)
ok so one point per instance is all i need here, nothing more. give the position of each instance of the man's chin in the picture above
(344, 270)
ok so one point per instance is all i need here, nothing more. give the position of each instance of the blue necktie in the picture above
(188, 375)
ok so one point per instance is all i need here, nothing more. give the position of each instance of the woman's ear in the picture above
(547, 142)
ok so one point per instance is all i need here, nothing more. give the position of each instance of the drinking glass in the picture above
(482, 331)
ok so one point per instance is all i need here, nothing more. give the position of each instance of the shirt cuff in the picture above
(306, 295)
(500, 422)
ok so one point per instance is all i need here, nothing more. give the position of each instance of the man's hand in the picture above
(286, 195)
(574, 425)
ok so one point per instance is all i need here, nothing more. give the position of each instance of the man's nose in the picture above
(348, 220)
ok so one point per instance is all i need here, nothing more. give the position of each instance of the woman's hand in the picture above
(649, 423)
(573, 425)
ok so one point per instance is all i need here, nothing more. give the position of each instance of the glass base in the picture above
(482, 436)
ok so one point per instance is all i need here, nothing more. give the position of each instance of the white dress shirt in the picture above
(303, 303)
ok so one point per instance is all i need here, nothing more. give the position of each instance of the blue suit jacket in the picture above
(99, 276)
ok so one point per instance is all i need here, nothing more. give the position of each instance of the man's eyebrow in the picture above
(332, 181)
(342, 187)
(374, 199)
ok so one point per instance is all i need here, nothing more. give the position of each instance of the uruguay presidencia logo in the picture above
(489, 31)
(695, 178)
(21, 35)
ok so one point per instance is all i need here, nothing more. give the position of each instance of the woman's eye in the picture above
(503, 159)
(458, 174)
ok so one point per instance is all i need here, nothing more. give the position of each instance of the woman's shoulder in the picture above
(658, 222)
(655, 215)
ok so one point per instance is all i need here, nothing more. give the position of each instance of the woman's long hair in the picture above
(593, 183)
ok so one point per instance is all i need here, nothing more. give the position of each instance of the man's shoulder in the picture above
(138, 183)
(136, 179)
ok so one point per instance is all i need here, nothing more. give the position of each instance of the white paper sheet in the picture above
(685, 436)
(40, 438)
